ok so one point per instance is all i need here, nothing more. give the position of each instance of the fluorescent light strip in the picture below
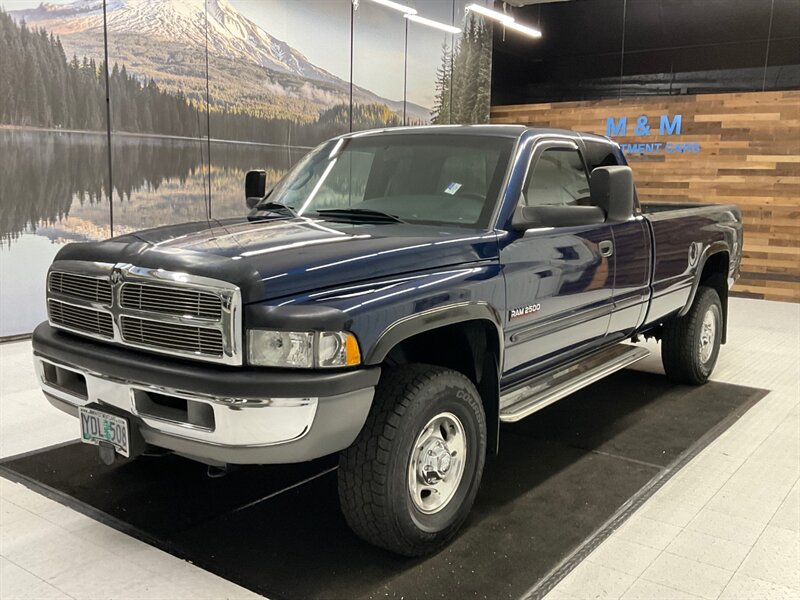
(507, 20)
(523, 29)
(492, 14)
(432, 23)
(396, 6)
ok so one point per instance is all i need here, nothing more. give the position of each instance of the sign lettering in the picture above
(668, 125)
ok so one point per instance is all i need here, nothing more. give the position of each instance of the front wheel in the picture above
(409, 480)
(690, 344)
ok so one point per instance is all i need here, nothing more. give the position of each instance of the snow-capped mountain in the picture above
(230, 34)
(164, 39)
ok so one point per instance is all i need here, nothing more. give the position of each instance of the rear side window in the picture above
(558, 179)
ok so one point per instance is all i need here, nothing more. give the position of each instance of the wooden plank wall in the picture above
(749, 155)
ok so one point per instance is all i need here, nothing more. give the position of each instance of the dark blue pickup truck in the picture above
(394, 298)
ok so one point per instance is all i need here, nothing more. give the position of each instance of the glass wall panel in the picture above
(53, 153)
(596, 49)
(783, 60)
(378, 66)
(280, 81)
(578, 56)
(430, 65)
(157, 87)
(472, 66)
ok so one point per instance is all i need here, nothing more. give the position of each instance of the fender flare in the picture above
(434, 318)
(708, 252)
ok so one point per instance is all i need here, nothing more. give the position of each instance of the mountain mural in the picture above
(58, 184)
(250, 71)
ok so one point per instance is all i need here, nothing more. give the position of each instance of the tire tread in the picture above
(364, 466)
(679, 353)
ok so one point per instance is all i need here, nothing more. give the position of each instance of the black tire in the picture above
(374, 486)
(686, 353)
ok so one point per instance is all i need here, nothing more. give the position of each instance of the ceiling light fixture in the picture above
(397, 6)
(524, 29)
(492, 14)
(432, 23)
(506, 20)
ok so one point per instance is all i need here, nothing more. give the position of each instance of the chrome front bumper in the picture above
(214, 429)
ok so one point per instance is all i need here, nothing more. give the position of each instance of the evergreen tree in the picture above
(469, 93)
(459, 77)
(440, 114)
(483, 75)
(50, 90)
(463, 80)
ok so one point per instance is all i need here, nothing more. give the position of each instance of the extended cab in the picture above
(394, 298)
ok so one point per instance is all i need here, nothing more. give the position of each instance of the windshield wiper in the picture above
(263, 210)
(360, 214)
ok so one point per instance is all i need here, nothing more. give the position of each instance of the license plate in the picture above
(97, 426)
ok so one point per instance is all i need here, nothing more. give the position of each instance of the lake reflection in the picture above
(54, 190)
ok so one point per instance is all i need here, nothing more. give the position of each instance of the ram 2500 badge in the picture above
(394, 298)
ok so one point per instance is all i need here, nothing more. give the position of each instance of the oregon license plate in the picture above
(98, 426)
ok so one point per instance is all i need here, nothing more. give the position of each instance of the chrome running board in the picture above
(555, 385)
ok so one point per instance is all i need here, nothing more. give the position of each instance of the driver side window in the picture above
(557, 179)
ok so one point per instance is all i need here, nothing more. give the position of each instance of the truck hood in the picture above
(283, 257)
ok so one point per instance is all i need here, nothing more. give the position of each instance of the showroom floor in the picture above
(727, 525)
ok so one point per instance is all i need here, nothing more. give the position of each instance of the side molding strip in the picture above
(543, 328)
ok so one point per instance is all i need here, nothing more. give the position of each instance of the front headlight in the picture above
(302, 349)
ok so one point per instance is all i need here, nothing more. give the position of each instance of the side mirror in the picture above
(255, 187)
(612, 190)
(531, 217)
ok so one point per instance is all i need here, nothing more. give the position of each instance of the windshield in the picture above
(419, 178)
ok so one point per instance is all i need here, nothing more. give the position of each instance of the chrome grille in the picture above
(171, 300)
(93, 289)
(153, 309)
(198, 340)
(79, 318)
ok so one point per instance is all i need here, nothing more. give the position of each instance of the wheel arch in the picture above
(466, 337)
(712, 271)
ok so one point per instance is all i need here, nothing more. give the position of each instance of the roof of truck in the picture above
(511, 131)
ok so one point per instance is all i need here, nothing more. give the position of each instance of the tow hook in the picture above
(106, 453)
(217, 471)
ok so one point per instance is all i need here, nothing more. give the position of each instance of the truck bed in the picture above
(649, 208)
(682, 209)
(683, 234)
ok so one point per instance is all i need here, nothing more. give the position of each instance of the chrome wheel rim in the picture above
(437, 461)
(708, 332)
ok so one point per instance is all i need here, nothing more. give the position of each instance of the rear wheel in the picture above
(409, 480)
(690, 344)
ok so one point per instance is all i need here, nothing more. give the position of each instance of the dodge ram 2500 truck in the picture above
(394, 298)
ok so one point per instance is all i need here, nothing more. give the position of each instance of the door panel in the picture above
(561, 274)
(559, 280)
(632, 258)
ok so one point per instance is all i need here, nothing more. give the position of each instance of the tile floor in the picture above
(726, 526)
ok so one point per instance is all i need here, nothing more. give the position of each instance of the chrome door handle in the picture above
(606, 248)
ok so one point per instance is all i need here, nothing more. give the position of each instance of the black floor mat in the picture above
(561, 474)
